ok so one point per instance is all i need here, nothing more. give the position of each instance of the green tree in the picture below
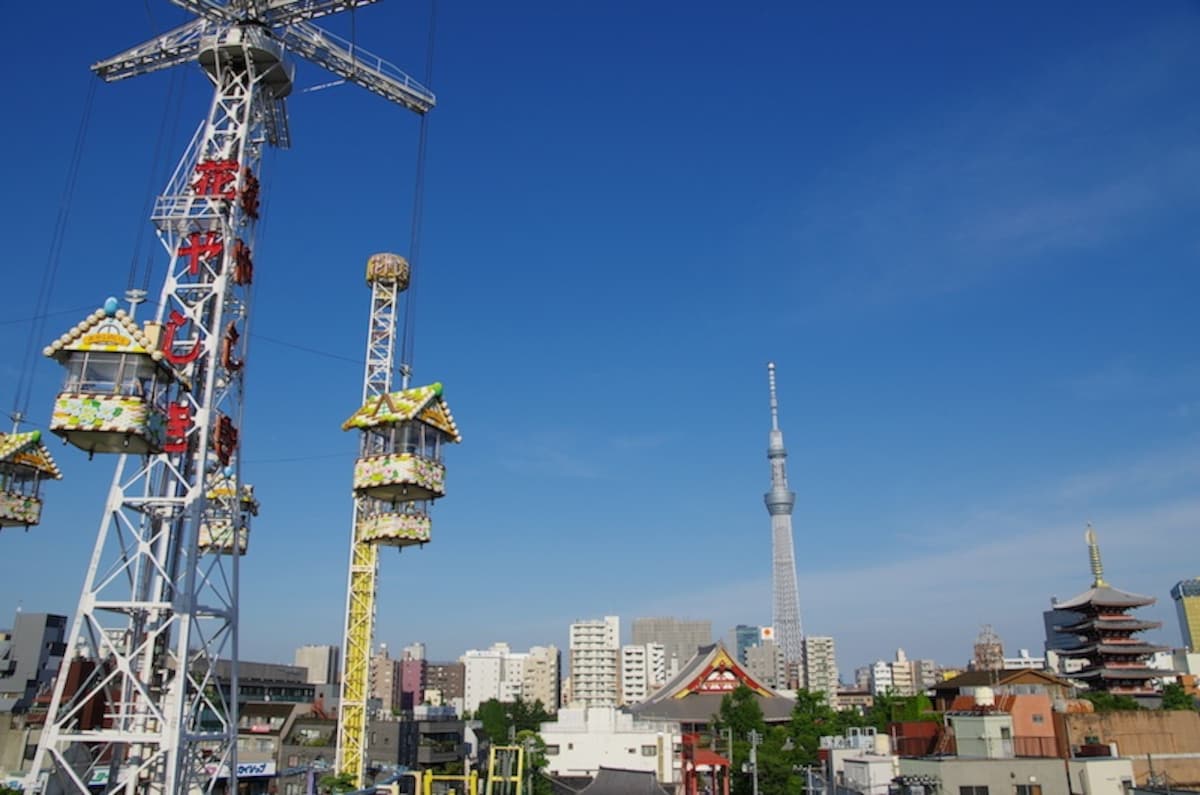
(336, 782)
(739, 714)
(1107, 702)
(1175, 697)
(496, 717)
(535, 760)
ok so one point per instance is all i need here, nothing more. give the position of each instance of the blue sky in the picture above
(965, 234)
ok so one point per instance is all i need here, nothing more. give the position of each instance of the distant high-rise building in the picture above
(744, 636)
(383, 683)
(412, 680)
(415, 651)
(33, 654)
(1186, 594)
(643, 670)
(680, 638)
(989, 651)
(542, 676)
(445, 681)
(766, 665)
(780, 501)
(820, 665)
(901, 676)
(595, 647)
(322, 663)
(494, 673)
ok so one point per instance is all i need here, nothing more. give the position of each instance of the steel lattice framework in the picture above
(142, 709)
(780, 501)
(386, 286)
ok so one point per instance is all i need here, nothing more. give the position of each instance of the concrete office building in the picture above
(383, 681)
(595, 648)
(445, 684)
(744, 636)
(30, 659)
(765, 664)
(680, 639)
(322, 663)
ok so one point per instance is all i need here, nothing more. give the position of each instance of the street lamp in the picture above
(755, 738)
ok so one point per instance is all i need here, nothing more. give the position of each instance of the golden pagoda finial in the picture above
(1094, 553)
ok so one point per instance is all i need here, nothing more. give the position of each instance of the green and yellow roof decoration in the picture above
(24, 463)
(422, 403)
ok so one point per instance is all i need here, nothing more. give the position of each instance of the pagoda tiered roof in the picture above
(1104, 595)
(1089, 648)
(1121, 623)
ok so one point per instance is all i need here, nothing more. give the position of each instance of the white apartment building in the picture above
(541, 676)
(643, 670)
(497, 673)
(595, 647)
(321, 663)
(584, 739)
(902, 676)
(1025, 660)
(820, 666)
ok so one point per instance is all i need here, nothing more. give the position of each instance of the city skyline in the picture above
(966, 240)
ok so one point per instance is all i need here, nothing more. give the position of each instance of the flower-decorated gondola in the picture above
(400, 468)
(114, 398)
(24, 464)
(223, 511)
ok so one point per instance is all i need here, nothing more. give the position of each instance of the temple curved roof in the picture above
(694, 695)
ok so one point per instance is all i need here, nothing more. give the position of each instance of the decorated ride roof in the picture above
(109, 330)
(423, 403)
(26, 449)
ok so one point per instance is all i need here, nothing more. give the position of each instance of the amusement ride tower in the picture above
(141, 708)
(779, 500)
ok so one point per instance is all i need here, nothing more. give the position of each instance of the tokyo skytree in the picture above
(780, 501)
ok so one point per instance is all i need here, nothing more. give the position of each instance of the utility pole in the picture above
(755, 738)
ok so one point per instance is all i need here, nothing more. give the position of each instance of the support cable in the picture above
(407, 338)
(174, 97)
(24, 388)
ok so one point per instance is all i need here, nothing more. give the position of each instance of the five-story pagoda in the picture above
(1114, 657)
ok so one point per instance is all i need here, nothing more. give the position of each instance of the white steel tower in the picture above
(143, 710)
(780, 500)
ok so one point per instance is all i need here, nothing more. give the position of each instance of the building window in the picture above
(1039, 718)
(649, 750)
(1029, 789)
(551, 750)
(972, 791)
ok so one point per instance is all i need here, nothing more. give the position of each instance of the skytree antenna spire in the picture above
(780, 501)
